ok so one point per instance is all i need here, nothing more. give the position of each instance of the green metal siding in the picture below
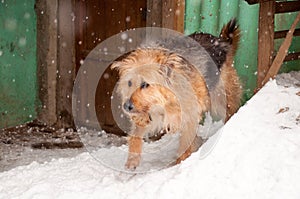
(210, 16)
(18, 81)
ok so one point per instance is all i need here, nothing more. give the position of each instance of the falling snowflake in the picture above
(10, 24)
(106, 75)
(124, 36)
(122, 49)
(26, 15)
(22, 41)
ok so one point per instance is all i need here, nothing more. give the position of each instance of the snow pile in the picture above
(257, 156)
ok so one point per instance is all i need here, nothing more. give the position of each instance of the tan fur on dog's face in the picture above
(133, 78)
(150, 96)
(142, 66)
(150, 67)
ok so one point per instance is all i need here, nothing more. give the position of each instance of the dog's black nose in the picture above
(128, 105)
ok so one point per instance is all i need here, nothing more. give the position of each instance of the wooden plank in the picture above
(94, 19)
(154, 13)
(265, 39)
(47, 59)
(66, 63)
(173, 15)
(292, 57)
(179, 16)
(287, 6)
(80, 11)
(141, 7)
(256, 1)
(116, 17)
(168, 14)
(135, 13)
(282, 34)
(81, 45)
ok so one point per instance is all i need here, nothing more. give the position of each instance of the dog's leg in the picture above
(135, 149)
(187, 142)
(135, 143)
(172, 117)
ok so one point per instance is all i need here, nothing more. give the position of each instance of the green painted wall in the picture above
(18, 80)
(210, 16)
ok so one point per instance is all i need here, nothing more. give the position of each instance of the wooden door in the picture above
(97, 20)
(100, 19)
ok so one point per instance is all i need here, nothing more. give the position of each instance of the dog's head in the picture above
(143, 82)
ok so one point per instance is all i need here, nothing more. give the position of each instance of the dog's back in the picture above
(225, 90)
(222, 50)
(213, 57)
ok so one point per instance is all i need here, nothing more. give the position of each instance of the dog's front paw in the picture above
(133, 161)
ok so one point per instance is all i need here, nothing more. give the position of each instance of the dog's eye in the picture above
(144, 85)
(129, 83)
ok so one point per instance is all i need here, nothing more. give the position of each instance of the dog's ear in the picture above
(120, 66)
(116, 65)
(119, 63)
(166, 70)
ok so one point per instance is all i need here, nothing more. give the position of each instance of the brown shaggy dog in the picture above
(169, 89)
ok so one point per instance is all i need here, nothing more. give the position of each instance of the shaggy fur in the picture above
(162, 91)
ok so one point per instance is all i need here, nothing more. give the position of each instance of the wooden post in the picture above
(47, 33)
(56, 61)
(173, 15)
(265, 39)
(154, 13)
(282, 52)
(166, 14)
(66, 63)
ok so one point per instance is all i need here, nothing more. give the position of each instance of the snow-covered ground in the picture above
(257, 156)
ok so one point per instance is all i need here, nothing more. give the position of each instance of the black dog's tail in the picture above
(222, 47)
(231, 34)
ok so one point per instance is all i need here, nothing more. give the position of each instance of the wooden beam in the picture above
(292, 57)
(265, 39)
(287, 6)
(167, 13)
(256, 1)
(282, 34)
(173, 14)
(179, 16)
(154, 13)
(66, 63)
(47, 33)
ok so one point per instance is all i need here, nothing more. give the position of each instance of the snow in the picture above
(257, 155)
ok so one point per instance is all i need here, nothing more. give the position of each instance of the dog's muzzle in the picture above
(128, 105)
